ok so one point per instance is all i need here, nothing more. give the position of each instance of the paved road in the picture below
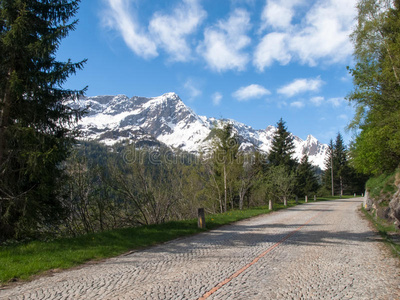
(321, 250)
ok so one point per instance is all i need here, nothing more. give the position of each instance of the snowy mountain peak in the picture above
(166, 119)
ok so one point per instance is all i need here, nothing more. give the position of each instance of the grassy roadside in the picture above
(388, 232)
(22, 261)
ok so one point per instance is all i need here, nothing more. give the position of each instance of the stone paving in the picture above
(321, 250)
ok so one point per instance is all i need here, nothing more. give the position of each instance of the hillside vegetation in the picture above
(376, 96)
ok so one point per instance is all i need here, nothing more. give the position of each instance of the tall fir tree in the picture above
(306, 180)
(34, 117)
(340, 164)
(337, 165)
(282, 147)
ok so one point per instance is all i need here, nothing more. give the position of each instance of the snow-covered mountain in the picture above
(166, 119)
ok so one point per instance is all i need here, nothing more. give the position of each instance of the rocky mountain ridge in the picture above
(167, 120)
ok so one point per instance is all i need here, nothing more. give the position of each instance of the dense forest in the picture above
(52, 182)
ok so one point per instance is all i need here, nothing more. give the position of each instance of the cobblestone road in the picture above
(321, 250)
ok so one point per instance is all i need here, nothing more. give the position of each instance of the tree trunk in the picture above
(333, 189)
(341, 186)
(241, 201)
(225, 190)
(284, 200)
(4, 123)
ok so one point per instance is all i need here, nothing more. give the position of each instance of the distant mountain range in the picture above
(167, 120)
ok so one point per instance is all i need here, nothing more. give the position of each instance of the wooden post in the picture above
(201, 221)
(306, 198)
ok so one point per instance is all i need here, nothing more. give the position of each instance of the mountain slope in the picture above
(166, 119)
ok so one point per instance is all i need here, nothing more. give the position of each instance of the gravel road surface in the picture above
(319, 250)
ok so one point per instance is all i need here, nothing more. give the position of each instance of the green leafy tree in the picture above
(376, 93)
(279, 184)
(226, 165)
(34, 115)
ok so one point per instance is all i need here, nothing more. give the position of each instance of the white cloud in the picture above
(326, 34)
(317, 101)
(171, 31)
(321, 35)
(343, 117)
(278, 14)
(216, 98)
(119, 18)
(297, 104)
(224, 43)
(336, 102)
(300, 86)
(192, 89)
(252, 91)
(271, 48)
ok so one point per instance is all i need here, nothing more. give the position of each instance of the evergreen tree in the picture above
(328, 174)
(34, 116)
(337, 165)
(282, 147)
(340, 163)
(306, 180)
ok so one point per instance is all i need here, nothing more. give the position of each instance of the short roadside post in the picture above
(201, 221)
(306, 198)
(297, 199)
(315, 197)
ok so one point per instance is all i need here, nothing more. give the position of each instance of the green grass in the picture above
(381, 185)
(386, 230)
(23, 260)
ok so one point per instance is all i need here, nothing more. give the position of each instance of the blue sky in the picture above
(254, 61)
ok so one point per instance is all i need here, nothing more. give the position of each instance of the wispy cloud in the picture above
(224, 44)
(271, 48)
(336, 102)
(171, 31)
(317, 101)
(297, 104)
(316, 33)
(216, 98)
(120, 18)
(249, 92)
(278, 14)
(299, 86)
(192, 88)
(322, 33)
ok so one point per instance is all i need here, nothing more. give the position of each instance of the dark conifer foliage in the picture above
(346, 180)
(34, 119)
(282, 147)
(307, 181)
